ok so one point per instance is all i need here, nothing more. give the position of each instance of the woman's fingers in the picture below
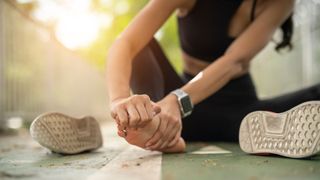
(175, 139)
(170, 134)
(144, 116)
(123, 117)
(170, 131)
(114, 114)
(134, 112)
(156, 139)
(134, 116)
(121, 133)
(156, 108)
(156, 146)
(149, 109)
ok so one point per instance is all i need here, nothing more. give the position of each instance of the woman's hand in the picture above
(169, 130)
(133, 112)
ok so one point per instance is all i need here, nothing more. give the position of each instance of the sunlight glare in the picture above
(76, 31)
(78, 5)
(76, 24)
(15, 122)
(105, 20)
(24, 1)
(121, 7)
(48, 11)
(106, 2)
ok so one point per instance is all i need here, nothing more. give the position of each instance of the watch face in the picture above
(186, 104)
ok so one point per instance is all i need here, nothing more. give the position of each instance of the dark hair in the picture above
(287, 32)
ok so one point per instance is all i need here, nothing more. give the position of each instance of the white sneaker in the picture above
(67, 135)
(294, 133)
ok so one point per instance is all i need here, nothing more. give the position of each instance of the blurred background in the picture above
(53, 52)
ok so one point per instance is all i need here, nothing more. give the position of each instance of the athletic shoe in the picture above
(66, 135)
(294, 133)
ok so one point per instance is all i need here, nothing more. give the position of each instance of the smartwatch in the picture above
(184, 101)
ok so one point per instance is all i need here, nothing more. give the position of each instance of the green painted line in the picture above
(236, 165)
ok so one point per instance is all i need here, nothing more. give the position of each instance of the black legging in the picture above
(218, 117)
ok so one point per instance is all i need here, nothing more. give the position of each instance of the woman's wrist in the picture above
(113, 100)
(184, 102)
(172, 101)
(172, 98)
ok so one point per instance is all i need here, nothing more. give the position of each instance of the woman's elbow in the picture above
(239, 69)
(239, 65)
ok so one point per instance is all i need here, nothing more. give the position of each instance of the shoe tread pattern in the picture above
(60, 134)
(300, 137)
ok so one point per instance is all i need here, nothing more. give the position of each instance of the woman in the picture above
(218, 40)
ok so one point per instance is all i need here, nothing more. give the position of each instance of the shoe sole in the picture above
(294, 133)
(62, 134)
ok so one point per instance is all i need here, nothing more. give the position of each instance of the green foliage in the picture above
(97, 51)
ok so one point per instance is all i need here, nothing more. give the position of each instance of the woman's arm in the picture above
(232, 64)
(136, 108)
(240, 52)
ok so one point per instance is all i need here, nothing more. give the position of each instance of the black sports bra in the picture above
(204, 31)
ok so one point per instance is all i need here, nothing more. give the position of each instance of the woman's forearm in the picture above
(207, 82)
(119, 70)
(214, 77)
(136, 36)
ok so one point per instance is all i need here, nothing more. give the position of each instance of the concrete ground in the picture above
(22, 158)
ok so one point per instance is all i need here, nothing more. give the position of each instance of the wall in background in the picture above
(38, 75)
(278, 73)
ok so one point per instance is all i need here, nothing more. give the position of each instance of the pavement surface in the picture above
(23, 158)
